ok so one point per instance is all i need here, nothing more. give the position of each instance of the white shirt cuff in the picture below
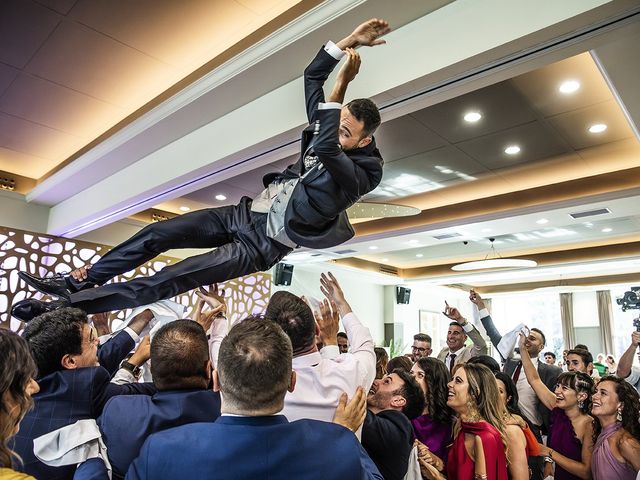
(329, 105)
(333, 50)
(467, 327)
(132, 334)
(483, 313)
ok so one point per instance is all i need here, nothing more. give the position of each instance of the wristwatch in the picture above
(131, 368)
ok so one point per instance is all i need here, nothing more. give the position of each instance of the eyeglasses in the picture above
(418, 349)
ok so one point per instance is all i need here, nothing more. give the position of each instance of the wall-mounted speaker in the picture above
(403, 294)
(283, 274)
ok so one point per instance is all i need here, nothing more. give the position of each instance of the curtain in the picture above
(605, 314)
(566, 317)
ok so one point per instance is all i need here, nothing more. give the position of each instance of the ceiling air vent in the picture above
(388, 269)
(344, 252)
(590, 213)
(444, 236)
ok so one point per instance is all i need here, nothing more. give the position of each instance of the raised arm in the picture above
(359, 336)
(485, 318)
(626, 360)
(546, 396)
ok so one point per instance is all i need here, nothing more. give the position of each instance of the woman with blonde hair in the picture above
(17, 371)
(479, 449)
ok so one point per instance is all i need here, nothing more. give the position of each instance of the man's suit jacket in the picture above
(127, 421)
(315, 215)
(548, 373)
(67, 396)
(479, 347)
(388, 439)
(270, 447)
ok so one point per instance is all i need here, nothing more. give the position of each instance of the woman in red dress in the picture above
(479, 447)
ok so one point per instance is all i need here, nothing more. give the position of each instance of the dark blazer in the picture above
(548, 373)
(270, 447)
(315, 215)
(388, 439)
(127, 421)
(67, 396)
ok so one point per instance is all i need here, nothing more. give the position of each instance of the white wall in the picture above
(365, 297)
(15, 212)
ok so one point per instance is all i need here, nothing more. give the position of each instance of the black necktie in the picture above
(453, 361)
(516, 373)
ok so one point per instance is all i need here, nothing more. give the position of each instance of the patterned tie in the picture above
(516, 373)
(452, 356)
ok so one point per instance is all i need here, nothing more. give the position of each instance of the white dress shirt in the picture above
(321, 378)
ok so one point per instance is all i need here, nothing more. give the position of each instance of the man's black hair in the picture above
(487, 361)
(550, 353)
(581, 346)
(53, 335)
(343, 335)
(295, 317)
(179, 355)
(585, 355)
(366, 112)
(412, 393)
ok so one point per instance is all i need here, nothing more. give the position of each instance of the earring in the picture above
(580, 404)
(619, 416)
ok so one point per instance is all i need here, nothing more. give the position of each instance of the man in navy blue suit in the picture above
(181, 372)
(250, 439)
(73, 384)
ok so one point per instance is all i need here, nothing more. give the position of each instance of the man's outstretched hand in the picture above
(366, 34)
(330, 288)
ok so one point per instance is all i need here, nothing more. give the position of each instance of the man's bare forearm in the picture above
(338, 92)
(625, 362)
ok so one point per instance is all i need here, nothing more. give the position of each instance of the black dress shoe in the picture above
(56, 285)
(30, 308)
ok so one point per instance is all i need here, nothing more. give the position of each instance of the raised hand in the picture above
(142, 353)
(80, 274)
(328, 322)
(351, 414)
(101, 323)
(369, 32)
(453, 313)
(350, 67)
(476, 299)
(330, 288)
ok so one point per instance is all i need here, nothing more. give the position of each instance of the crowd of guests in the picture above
(260, 399)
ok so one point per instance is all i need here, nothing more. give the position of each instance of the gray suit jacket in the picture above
(479, 347)
(548, 373)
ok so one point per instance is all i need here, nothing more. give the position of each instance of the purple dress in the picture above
(603, 464)
(435, 435)
(562, 439)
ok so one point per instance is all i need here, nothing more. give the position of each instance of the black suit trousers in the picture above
(237, 234)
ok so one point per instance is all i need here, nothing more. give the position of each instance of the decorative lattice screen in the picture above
(44, 254)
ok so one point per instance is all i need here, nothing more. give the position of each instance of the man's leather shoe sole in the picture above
(30, 308)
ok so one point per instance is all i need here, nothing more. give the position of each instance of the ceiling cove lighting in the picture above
(512, 150)
(373, 247)
(597, 128)
(495, 262)
(419, 255)
(220, 197)
(607, 230)
(569, 86)
(542, 221)
(472, 117)
(184, 209)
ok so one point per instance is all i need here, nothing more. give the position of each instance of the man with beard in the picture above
(387, 434)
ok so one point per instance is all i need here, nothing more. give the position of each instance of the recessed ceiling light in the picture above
(472, 117)
(597, 128)
(184, 209)
(485, 230)
(446, 171)
(542, 221)
(413, 241)
(419, 255)
(221, 197)
(385, 260)
(607, 230)
(373, 247)
(512, 150)
(569, 86)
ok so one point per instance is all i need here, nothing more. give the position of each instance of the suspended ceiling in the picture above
(71, 71)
